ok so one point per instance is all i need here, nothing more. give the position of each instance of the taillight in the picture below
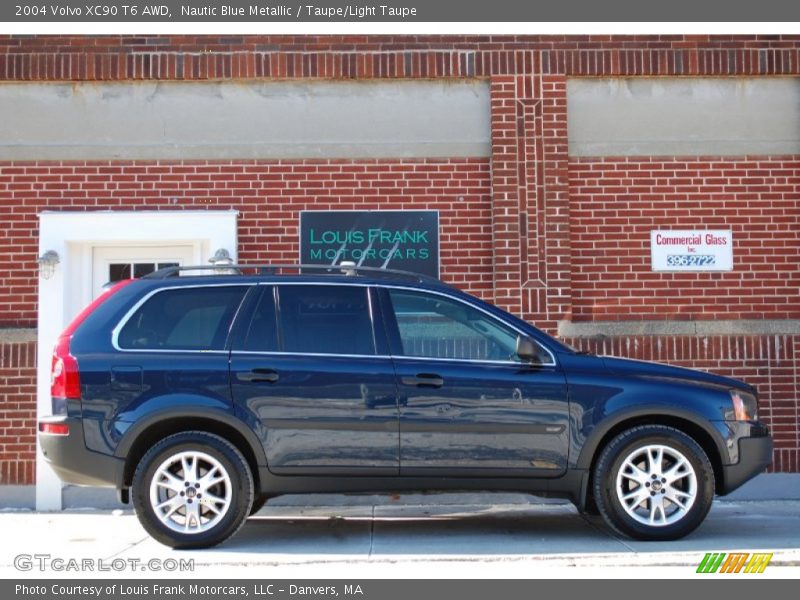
(53, 428)
(65, 380)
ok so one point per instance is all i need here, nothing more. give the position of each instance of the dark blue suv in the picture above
(200, 396)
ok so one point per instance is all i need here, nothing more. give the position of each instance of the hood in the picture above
(650, 370)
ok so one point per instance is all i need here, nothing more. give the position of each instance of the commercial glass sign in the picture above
(691, 250)
(390, 239)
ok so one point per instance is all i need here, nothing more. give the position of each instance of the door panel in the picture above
(322, 412)
(468, 405)
(483, 416)
(327, 403)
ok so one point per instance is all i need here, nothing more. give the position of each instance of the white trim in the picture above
(73, 234)
(301, 354)
(476, 361)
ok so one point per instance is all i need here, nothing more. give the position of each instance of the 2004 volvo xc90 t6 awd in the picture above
(199, 397)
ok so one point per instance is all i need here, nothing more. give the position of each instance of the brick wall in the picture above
(269, 196)
(17, 412)
(357, 56)
(616, 202)
(522, 235)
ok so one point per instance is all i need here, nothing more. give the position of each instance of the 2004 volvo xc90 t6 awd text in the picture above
(201, 396)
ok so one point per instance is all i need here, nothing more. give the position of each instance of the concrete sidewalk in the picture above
(423, 535)
(463, 541)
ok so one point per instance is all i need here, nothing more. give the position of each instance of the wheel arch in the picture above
(704, 434)
(155, 427)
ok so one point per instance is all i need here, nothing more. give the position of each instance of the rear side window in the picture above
(325, 319)
(183, 319)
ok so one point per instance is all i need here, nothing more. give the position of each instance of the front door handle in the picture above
(424, 380)
(258, 376)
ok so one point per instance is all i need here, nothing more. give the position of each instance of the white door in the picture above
(114, 263)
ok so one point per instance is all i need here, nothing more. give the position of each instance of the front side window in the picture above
(183, 319)
(325, 319)
(437, 327)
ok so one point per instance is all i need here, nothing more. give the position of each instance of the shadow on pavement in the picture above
(486, 531)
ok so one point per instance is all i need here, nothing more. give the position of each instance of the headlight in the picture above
(745, 406)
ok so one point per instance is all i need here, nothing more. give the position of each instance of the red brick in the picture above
(765, 241)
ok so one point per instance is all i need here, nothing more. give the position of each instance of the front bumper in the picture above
(755, 455)
(73, 462)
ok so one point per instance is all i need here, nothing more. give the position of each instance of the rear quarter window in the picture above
(183, 319)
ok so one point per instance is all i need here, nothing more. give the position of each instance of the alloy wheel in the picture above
(190, 492)
(656, 485)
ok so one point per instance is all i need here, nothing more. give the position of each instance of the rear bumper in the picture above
(73, 462)
(755, 455)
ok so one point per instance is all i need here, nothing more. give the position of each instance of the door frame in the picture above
(73, 234)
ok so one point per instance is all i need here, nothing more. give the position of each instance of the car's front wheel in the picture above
(653, 482)
(192, 490)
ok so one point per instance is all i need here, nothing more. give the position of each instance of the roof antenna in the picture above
(348, 267)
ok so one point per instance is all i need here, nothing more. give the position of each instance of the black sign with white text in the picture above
(389, 239)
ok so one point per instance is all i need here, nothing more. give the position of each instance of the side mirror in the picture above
(528, 350)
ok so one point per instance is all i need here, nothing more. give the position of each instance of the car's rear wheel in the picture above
(192, 490)
(653, 482)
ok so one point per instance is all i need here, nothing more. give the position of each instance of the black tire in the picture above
(684, 519)
(227, 458)
(258, 503)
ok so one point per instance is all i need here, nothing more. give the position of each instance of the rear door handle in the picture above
(258, 376)
(423, 380)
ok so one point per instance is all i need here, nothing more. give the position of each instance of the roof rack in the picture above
(271, 269)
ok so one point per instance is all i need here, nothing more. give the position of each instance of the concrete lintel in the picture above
(683, 116)
(17, 335)
(248, 151)
(698, 328)
(245, 120)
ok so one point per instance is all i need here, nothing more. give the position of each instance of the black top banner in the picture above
(394, 11)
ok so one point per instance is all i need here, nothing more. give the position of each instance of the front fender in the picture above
(716, 431)
(601, 400)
